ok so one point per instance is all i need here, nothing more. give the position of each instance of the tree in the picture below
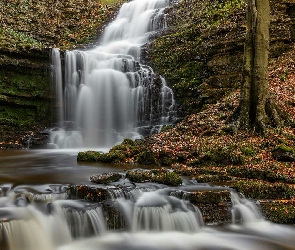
(257, 108)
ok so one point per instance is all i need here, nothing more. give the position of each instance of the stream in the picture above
(37, 211)
(104, 96)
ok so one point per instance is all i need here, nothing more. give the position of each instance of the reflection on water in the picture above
(47, 166)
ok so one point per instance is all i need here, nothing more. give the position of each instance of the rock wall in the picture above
(201, 55)
(28, 30)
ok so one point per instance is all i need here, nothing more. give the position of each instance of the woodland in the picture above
(229, 62)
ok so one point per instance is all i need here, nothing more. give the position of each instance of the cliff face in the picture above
(28, 29)
(202, 54)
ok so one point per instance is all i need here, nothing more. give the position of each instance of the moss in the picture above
(248, 150)
(88, 193)
(264, 190)
(284, 148)
(167, 178)
(89, 156)
(166, 159)
(269, 174)
(279, 211)
(112, 157)
(128, 148)
(18, 41)
(162, 176)
(209, 196)
(146, 157)
(128, 142)
(105, 178)
(139, 175)
(207, 178)
(221, 156)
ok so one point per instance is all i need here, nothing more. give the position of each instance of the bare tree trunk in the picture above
(257, 109)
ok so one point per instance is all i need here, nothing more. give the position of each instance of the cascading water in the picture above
(108, 95)
(135, 218)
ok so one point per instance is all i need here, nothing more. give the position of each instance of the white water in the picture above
(108, 95)
(154, 220)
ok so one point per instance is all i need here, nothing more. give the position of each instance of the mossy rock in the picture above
(165, 159)
(279, 211)
(269, 174)
(284, 153)
(264, 190)
(112, 157)
(145, 157)
(88, 193)
(139, 175)
(88, 156)
(207, 178)
(161, 176)
(209, 196)
(94, 156)
(105, 178)
(221, 156)
(168, 178)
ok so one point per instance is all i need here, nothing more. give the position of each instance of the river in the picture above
(108, 96)
(37, 212)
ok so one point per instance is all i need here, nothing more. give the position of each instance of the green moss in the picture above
(269, 174)
(139, 175)
(221, 156)
(168, 178)
(89, 156)
(284, 148)
(205, 178)
(145, 157)
(93, 156)
(264, 190)
(14, 40)
(128, 142)
(178, 65)
(279, 211)
(181, 55)
(217, 11)
(166, 159)
(162, 176)
(209, 196)
(248, 150)
(113, 157)
(105, 178)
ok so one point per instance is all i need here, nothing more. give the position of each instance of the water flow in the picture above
(151, 219)
(108, 95)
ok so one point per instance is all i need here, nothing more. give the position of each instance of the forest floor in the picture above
(208, 149)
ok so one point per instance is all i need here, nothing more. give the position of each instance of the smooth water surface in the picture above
(48, 166)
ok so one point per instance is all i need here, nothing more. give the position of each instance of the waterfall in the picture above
(108, 95)
(149, 219)
(157, 212)
(57, 79)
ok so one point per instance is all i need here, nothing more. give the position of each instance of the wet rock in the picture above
(88, 193)
(278, 211)
(105, 178)
(215, 205)
(162, 176)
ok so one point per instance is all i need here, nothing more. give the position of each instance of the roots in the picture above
(272, 115)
